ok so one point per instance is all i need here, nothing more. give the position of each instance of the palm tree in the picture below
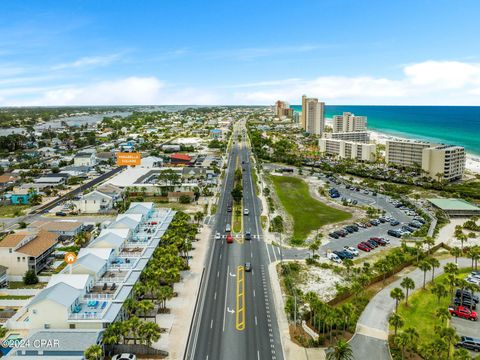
(347, 311)
(348, 264)
(130, 305)
(314, 246)
(449, 335)
(439, 291)
(144, 307)
(424, 265)
(429, 241)
(133, 325)
(408, 284)
(452, 281)
(402, 340)
(149, 332)
(450, 268)
(443, 314)
(472, 288)
(412, 335)
(418, 248)
(341, 351)
(461, 354)
(397, 294)
(396, 321)
(435, 264)
(457, 252)
(93, 352)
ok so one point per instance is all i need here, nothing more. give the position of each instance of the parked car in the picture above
(229, 208)
(351, 250)
(394, 233)
(466, 302)
(333, 257)
(372, 242)
(363, 247)
(348, 229)
(60, 213)
(414, 224)
(368, 244)
(124, 356)
(463, 312)
(333, 235)
(466, 294)
(469, 343)
(379, 241)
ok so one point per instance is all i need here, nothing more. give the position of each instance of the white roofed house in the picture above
(88, 264)
(112, 239)
(94, 202)
(127, 221)
(85, 158)
(145, 208)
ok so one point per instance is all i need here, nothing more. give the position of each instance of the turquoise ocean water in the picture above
(459, 125)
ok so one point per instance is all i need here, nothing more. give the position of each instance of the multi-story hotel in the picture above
(282, 109)
(356, 136)
(348, 122)
(313, 115)
(348, 149)
(445, 162)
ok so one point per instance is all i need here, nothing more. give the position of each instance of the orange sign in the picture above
(129, 159)
(70, 258)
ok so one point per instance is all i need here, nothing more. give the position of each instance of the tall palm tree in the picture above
(93, 352)
(402, 340)
(424, 265)
(450, 268)
(412, 335)
(472, 288)
(443, 315)
(397, 294)
(461, 354)
(149, 332)
(408, 284)
(348, 263)
(429, 241)
(449, 335)
(434, 263)
(456, 252)
(144, 307)
(396, 321)
(341, 351)
(439, 291)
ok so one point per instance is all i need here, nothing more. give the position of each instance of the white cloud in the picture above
(126, 91)
(88, 61)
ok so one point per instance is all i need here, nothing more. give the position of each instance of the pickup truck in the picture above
(463, 312)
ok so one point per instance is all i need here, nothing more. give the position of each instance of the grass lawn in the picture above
(21, 285)
(9, 211)
(307, 213)
(422, 306)
(15, 297)
(237, 217)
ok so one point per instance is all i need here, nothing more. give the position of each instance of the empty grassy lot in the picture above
(307, 213)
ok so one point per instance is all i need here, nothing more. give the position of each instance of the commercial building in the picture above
(456, 207)
(445, 162)
(348, 149)
(440, 162)
(357, 136)
(348, 122)
(282, 109)
(313, 115)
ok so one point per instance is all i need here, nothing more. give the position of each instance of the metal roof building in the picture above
(455, 207)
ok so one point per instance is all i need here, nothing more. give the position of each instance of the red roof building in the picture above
(180, 159)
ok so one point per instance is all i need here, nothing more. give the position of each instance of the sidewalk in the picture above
(177, 323)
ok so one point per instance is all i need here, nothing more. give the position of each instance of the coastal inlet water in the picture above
(459, 125)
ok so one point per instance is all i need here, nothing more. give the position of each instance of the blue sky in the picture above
(239, 52)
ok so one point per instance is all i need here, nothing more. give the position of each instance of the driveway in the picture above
(372, 327)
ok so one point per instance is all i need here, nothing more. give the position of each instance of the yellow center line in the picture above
(240, 313)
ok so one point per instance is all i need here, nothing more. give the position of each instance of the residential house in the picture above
(65, 229)
(3, 276)
(8, 179)
(85, 158)
(20, 196)
(25, 250)
(94, 202)
(50, 180)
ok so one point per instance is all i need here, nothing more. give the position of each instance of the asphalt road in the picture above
(235, 316)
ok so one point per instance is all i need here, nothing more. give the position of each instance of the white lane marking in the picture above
(218, 273)
(274, 253)
(268, 253)
(211, 323)
(255, 320)
(215, 296)
(226, 292)
(251, 254)
(220, 256)
(253, 292)
(258, 355)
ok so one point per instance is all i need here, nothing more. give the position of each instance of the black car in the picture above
(60, 213)
(469, 343)
(343, 254)
(394, 233)
(466, 302)
(466, 295)
(248, 267)
(348, 229)
(229, 208)
(333, 235)
(373, 243)
(248, 235)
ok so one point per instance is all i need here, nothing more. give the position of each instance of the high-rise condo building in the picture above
(440, 162)
(348, 149)
(348, 122)
(356, 136)
(313, 115)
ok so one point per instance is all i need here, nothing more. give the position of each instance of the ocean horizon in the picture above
(458, 125)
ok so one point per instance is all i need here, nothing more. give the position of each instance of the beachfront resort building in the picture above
(348, 122)
(440, 162)
(348, 149)
(355, 136)
(313, 115)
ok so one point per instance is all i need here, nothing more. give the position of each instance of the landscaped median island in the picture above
(307, 213)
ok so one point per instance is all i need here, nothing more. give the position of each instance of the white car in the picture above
(124, 356)
(351, 250)
(473, 280)
(218, 236)
(246, 212)
(333, 257)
